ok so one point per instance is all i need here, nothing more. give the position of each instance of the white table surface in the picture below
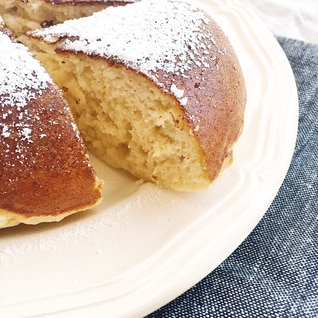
(291, 18)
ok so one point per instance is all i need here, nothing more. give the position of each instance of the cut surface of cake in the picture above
(45, 172)
(21, 16)
(155, 88)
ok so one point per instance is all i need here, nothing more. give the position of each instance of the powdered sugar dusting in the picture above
(147, 36)
(21, 78)
(21, 75)
(179, 93)
(176, 91)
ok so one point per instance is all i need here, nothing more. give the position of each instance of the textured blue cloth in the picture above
(274, 273)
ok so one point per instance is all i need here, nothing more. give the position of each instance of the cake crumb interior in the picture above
(126, 120)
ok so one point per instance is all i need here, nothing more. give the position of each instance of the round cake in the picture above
(155, 88)
(45, 172)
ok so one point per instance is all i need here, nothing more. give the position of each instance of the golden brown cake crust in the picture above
(216, 98)
(199, 69)
(51, 174)
(44, 168)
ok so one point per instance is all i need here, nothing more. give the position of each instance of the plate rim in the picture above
(155, 301)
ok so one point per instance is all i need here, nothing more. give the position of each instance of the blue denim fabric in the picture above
(274, 273)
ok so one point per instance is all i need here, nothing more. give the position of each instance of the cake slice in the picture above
(21, 16)
(155, 88)
(45, 172)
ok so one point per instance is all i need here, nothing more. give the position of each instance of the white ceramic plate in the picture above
(144, 246)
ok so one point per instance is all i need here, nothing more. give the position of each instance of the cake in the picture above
(24, 15)
(45, 172)
(155, 88)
